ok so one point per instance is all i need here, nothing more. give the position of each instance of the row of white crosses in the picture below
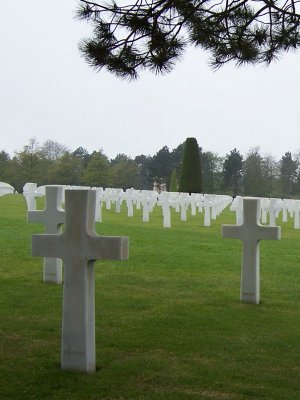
(271, 208)
(210, 205)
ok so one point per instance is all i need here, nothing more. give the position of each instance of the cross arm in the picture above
(108, 248)
(269, 233)
(47, 245)
(231, 231)
(35, 216)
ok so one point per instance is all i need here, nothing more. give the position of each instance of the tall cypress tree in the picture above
(191, 172)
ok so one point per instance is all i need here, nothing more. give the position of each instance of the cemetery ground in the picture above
(169, 322)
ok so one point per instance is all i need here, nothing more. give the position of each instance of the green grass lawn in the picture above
(169, 323)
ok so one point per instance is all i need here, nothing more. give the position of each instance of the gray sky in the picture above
(47, 91)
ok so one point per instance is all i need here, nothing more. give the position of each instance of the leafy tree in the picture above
(160, 166)
(4, 159)
(66, 170)
(28, 165)
(52, 150)
(233, 172)
(82, 157)
(82, 154)
(253, 175)
(288, 174)
(270, 174)
(123, 172)
(119, 158)
(176, 158)
(174, 182)
(96, 172)
(191, 173)
(211, 172)
(153, 34)
(144, 176)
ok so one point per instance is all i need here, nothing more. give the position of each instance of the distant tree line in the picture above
(251, 175)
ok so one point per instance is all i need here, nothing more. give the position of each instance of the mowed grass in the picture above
(169, 323)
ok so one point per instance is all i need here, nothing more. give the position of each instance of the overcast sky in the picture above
(47, 91)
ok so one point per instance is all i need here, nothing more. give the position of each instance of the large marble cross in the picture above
(251, 232)
(79, 246)
(53, 216)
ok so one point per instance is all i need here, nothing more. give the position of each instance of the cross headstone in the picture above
(276, 205)
(53, 216)
(250, 232)
(296, 208)
(129, 202)
(183, 201)
(29, 191)
(284, 210)
(165, 203)
(237, 206)
(207, 207)
(193, 199)
(79, 246)
(264, 208)
(146, 208)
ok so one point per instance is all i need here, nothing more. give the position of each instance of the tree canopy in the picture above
(256, 174)
(153, 34)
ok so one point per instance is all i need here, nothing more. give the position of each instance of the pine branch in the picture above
(152, 34)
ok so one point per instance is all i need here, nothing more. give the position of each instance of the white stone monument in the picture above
(79, 246)
(53, 216)
(237, 206)
(98, 208)
(251, 232)
(129, 202)
(207, 208)
(284, 210)
(29, 192)
(184, 203)
(165, 202)
(296, 209)
(276, 205)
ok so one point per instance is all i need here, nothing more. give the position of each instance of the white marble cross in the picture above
(129, 202)
(250, 232)
(275, 206)
(184, 203)
(165, 202)
(296, 209)
(79, 246)
(98, 209)
(207, 207)
(29, 191)
(53, 216)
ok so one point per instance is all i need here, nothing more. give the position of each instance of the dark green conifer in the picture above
(191, 172)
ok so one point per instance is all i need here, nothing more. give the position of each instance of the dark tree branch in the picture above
(152, 34)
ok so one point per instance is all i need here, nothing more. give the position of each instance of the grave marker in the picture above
(53, 216)
(250, 232)
(79, 246)
(29, 192)
(206, 207)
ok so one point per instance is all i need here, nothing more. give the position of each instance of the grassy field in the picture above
(169, 323)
